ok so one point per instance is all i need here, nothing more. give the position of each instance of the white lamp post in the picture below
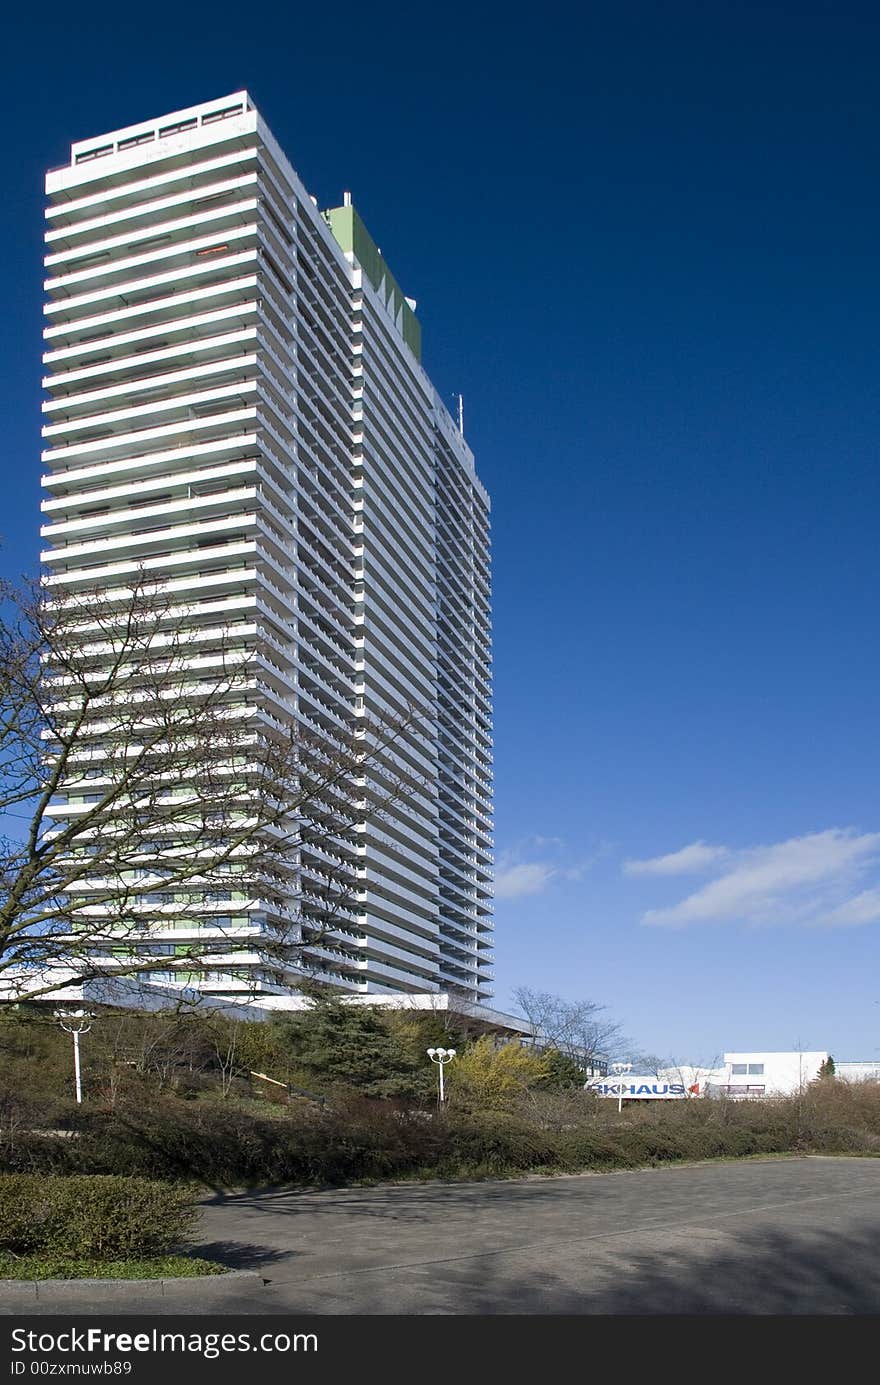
(75, 1022)
(441, 1056)
(620, 1069)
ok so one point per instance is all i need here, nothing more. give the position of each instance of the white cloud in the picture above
(528, 877)
(806, 880)
(579, 870)
(862, 908)
(530, 866)
(690, 860)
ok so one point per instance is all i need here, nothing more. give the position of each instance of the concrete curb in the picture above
(17, 1293)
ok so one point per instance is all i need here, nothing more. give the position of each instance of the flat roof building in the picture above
(766, 1074)
(236, 406)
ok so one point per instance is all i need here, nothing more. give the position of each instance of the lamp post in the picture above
(75, 1022)
(620, 1069)
(441, 1056)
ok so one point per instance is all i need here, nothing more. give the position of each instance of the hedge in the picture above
(219, 1143)
(93, 1216)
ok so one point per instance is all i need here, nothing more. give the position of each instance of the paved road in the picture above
(780, 1236)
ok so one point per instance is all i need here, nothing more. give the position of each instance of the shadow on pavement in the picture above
(765, 1272)
(239, 1255)
(755, 1238)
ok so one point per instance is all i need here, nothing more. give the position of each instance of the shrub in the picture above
(587, 1147)
(355, 1137)
(485, 1077)
(93, 1216)
(495, 1141)
(61, 1267)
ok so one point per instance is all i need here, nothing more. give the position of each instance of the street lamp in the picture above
(620, 1069)
(75, 1022)
(441, 1056)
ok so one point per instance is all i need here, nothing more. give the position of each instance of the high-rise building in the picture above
(236, 406)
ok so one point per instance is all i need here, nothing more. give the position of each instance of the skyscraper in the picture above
(236, 406)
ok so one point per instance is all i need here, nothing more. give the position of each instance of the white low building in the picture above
(858, 1072)
(781, 1074)
(765, 1074)
(641, 1087)
(745, 1075)
(135, 993)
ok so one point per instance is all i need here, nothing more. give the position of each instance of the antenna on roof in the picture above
(461, 414)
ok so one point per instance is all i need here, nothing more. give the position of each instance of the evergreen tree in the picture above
(339, 1044)
(562, 1071)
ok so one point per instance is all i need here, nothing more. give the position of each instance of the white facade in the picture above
(694, 1077)
(133, 993)
(644, 1087)
(235, 404)
(858, 1072)
(760, 1074)
(745, 1075)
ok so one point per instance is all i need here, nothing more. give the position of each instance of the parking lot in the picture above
(776, 1236)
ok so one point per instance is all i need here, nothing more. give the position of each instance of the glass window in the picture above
(739, 1069)
(756, 1069)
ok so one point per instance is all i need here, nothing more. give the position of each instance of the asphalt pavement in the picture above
(775, 1236)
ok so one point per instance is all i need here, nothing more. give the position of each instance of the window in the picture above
(178, 128)
(94, 154)
(135, 140)
(739, 1069)
(223, 114)
(756, 1069)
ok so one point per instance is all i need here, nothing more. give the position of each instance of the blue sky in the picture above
(643, 242)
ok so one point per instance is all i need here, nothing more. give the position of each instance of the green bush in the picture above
(591, 1147)
(93, 1217)
(354, 1138)
(61, 1267)
(494, 1141)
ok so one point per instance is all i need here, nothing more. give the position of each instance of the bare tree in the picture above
(174, 815)
(159, 1044)
(651, 1064)
(577, 1028)
(693, 1076)
(224, 1040)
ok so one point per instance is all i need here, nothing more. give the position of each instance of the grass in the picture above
(54, 1267)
